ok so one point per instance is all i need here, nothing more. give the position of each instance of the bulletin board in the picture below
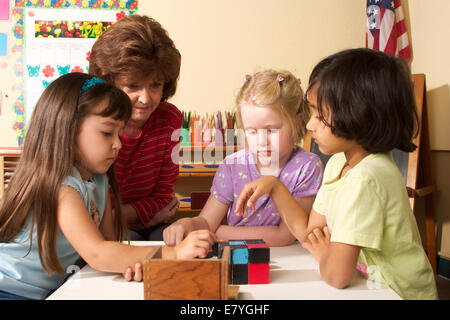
(52, 38)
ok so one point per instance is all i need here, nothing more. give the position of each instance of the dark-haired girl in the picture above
(362, 107)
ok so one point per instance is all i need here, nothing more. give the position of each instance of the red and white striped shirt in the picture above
(144, 168)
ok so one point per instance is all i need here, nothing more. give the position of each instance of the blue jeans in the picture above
(10, 296)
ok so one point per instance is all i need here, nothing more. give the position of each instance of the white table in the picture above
(294, 275)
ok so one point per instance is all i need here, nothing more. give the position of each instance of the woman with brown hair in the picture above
(137, 55)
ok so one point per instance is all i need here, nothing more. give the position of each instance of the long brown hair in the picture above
(49, 154)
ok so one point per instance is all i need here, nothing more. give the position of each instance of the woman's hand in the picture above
(165, 213)
(134, 223)
(252, 191)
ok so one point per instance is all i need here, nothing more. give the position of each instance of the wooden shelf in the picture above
(8, 164)
(193, 167)
(198, 170)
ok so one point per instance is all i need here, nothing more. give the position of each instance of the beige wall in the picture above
(221, 40)
(430, 34)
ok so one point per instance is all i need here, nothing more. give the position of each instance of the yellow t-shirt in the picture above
(369, 207)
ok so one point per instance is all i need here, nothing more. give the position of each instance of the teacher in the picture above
(138, 56)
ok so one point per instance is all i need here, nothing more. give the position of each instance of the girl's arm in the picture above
(134, 222)
(82, 233)
(273, 235)
(337, 260)
(209, 218)
(107, 223)
(296, 218)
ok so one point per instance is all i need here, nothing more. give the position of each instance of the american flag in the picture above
(386, 29)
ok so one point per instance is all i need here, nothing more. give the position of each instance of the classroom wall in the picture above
(429, 33)
(220, 41)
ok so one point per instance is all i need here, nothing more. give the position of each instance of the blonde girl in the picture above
(272, 116)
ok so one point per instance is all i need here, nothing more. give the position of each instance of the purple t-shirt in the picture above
(302, 175)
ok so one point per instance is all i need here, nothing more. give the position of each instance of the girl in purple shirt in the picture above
(272, 116)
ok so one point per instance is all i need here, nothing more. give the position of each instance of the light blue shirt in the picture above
(22, 274)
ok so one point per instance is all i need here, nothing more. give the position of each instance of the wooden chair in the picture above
(415, 168)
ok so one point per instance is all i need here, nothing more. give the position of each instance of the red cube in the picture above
(258, 273)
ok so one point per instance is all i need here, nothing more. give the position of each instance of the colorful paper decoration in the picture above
(45, 73)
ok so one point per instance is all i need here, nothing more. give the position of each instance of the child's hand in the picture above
(196, 244)
(135, 274)
(252, 191)
(318, 243)
(174, 234)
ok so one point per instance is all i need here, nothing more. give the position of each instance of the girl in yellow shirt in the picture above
(362, 107)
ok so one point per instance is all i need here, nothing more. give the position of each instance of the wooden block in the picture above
(239, 273)
(244, 253)
(258, 253)
(258, 273)
(188, 279)
(254, 241)
(236, 242)
(239, 254)
(198, 199)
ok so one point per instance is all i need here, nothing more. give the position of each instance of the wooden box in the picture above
(189, 279)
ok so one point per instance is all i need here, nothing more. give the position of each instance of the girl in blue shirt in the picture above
(56, 208)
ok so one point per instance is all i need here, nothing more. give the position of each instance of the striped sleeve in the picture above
(162, 191)
(144, 169)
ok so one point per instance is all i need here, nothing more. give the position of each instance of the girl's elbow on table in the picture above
(336, 278)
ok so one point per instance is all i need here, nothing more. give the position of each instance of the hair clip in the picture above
(246, 78)
(90, 83)
(279, 78)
